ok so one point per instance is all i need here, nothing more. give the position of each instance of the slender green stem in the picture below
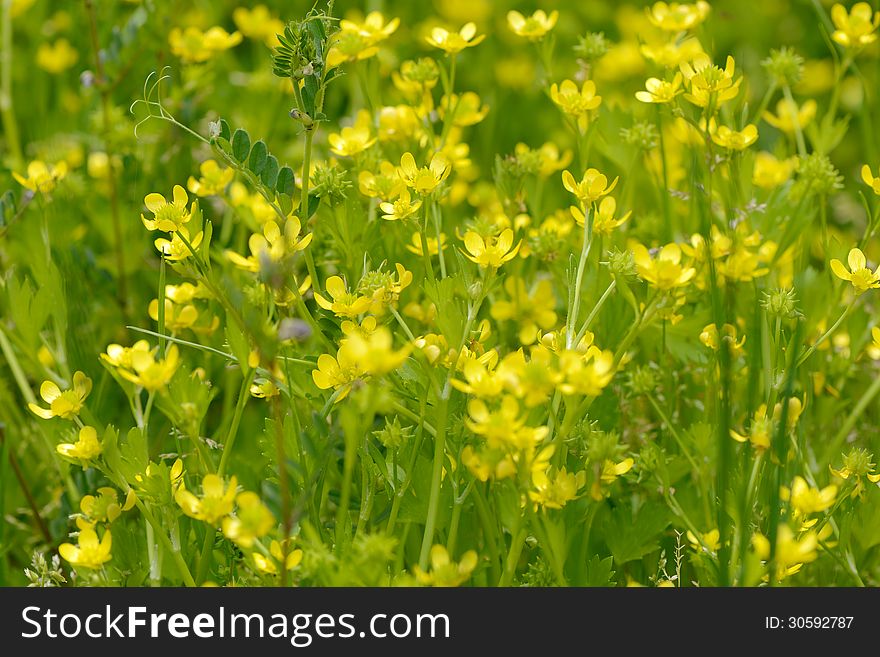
(243, 396)
(166, 543)
(595, 311)
(840, 437)
(579, 278)
(10, 127)
(675, 434)
(826, 335)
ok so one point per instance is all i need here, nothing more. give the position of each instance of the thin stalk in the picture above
(579, 278)
(7, 109)
(243, 395)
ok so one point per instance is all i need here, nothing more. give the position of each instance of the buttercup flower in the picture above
(402, 208)
(591, 188)
(215, 503)
(576, 102)
(252, 520)
(534, 27)
(708, 83)
(56, 57)
(862, 278)
(193, 46)
(678, 17)
(41, 177)
(424, 180)
(168, 216)
(604, 221)
(445, 572)
(789, 117)
(491, 251)
(454, 42)
(66, 404)
(660, 91)
(870, 180)
(89, 552)
(857, 28)
(85, 448)
(344, 303)
(735, 140)
(150, 373)
(213, 180)
(665, 271)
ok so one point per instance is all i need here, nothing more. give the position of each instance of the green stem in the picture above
(10, 127)
(243, 395)
(166, 543)
(578, 283)
(840, 437)
(826, 335)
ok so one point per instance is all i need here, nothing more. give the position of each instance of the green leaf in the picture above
(259, 154)
(270, 172)
(286, 183)
(314, 202)
(225, 132)
(241, 145)
(599, 572)
(238, 344)
(632, 535)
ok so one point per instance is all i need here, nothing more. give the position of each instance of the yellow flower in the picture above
(258, 23)
(85, 448)
(857, 464)
(454, 42)
(711, 541)
(870, 180)
(178, 317)
(344, 303)
(358, 356)
(415, 245)
(168, 216)
(445, 572)
(402, 208)
(251, 521)
(585, 373)
(531, 310)
(604, 222)
(149, 373)
(425, 179)
(735, 140)
(862, 278)
(709, 83)
(556, 489)
(356, 41)
(660, 91)
(103, 507)
(386, 185)
(671, 54)
(678, 17)
(760, 430)
(709, 337)
(89, 553)
(665, 271)
(806, 500)
(354, 139)
(789, 117)
(576, 102)
(770, 172)
(533, 28)
(791, 552)
(215, 503)
(194, 46)
(856, 29)
(608, 475)
(338, 373)
(41, 177)
(176, 249)
(491, 251)
(56, 58)
(467, 109)
(481, 380)
(270, 566)
(503, 428)
(213, 181)
(66, 404)
(119, 356)
(272, 244)
(592, 186)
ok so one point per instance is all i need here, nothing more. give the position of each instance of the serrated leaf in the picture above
(631, 535)
(241, 145)
(258, 157)
(599, 572)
